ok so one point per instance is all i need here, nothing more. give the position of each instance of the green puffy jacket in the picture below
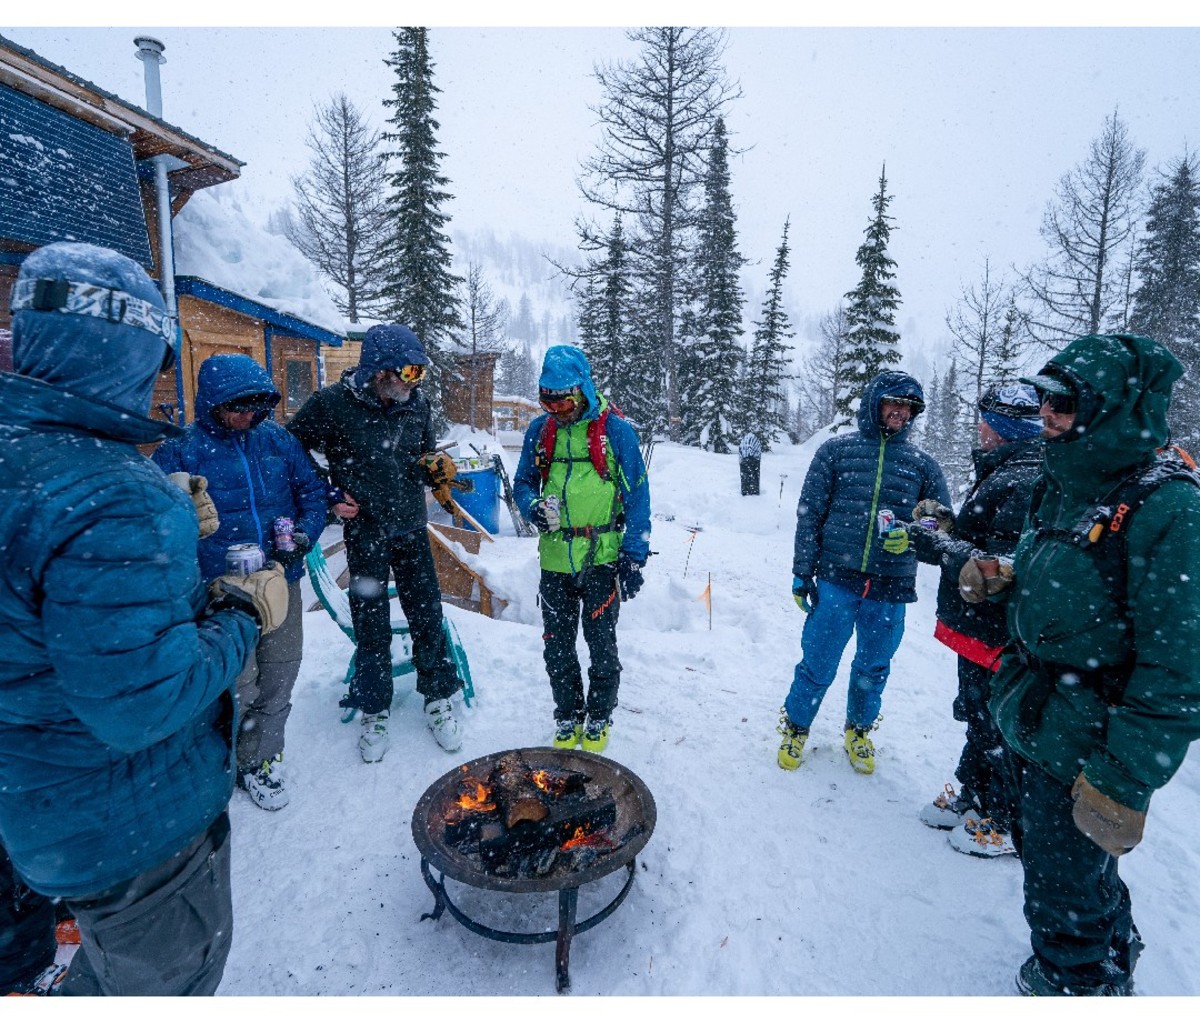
(1108, 684)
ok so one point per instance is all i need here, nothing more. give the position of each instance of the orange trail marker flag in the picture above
(706, 596)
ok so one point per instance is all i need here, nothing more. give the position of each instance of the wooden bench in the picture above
(336, 602)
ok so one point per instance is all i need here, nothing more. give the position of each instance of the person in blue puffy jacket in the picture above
(256, 472)
(116, 671)
(853, 570)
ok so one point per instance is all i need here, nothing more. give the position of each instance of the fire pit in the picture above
(533, 821)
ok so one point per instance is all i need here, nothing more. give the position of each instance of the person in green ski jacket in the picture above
(1098, 691)
(582, 481)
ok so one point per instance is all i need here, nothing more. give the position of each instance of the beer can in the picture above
(929, 523)
(887, 520)
(284, 527)
(243, 559)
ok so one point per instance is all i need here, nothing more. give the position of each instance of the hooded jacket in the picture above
(1113, 686)
(116, 692)
(254, 475)
(618, 506)
(373, 450)
(851, 479)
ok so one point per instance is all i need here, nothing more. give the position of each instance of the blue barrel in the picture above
(482, 501)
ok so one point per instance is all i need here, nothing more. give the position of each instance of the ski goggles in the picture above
(104, 303)
(915, 403)
(409, 374)
(560, 402)
(1060, 404)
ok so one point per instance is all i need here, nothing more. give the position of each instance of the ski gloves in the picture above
(804, 592)
(941, 514)
(629, 575)
(262, 594)
(895, 541)
(196, 487)
(1114, 827)
(289, 557)
(440, 471)
(543, 514)
(982, 577)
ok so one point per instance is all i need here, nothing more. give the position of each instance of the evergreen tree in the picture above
(658, 113)
(340, 206)
(763, 398)
(1089, 229)
(871, 310)
(949, 432)
(984, 327)
(709, 370)
(604, 317)
(419, 290)
(1167, 304)
(1011, 350)
(820, 374)
(516, 373)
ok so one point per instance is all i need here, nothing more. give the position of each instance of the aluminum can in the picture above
(284, 527)
(931, 524)
(887, 520)
(243, 559)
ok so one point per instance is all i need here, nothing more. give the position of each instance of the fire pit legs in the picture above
(568, 926)
(568, 904)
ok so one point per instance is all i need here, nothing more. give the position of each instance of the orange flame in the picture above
(477, 802)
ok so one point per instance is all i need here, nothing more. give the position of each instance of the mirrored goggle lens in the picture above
(410, 374)
(1061, 404)
(248, 404)
(560, 405)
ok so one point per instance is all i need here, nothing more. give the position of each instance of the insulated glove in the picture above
(1114, 827)
(804, 592)
(930, 508)
(196, 487)
(262, 594)
(439, 468)
(896, 540)
(289, 557)
(982, 577)
(543, 514)
(629, 575)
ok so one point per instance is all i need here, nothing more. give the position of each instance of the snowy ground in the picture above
(755, 882)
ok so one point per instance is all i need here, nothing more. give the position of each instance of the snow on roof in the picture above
(216, 241)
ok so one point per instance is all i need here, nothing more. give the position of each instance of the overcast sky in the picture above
(976, 125)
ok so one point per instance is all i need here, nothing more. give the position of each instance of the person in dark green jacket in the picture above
(1098, 692)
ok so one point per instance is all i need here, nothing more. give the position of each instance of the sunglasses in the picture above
(1060, 404)
(561, 404)
(409, 374)
(242, 405)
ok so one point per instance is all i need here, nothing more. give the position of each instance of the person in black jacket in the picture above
(375, 429)
(1008, 461)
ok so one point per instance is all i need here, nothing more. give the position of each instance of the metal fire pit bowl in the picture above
(636, 816)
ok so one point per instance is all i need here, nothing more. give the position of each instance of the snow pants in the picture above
(370, 552)
(265, 686)
(166, 932)
(986, 767)
(839, 613)
(1077, 907)
(750, 469)
(565, 598)
(27, 943)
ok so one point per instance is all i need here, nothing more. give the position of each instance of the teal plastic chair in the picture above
(336, 602)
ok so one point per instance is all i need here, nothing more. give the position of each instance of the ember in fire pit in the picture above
(528, 821)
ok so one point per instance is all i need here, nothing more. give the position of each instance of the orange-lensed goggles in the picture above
(409, 374)
(560, 402)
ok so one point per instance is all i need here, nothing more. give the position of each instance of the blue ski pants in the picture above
(839, 612)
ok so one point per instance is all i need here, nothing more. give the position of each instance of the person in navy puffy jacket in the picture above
(116, 670)
(256, 473)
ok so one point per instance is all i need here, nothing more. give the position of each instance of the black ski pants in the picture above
(1077, 907)
(986, 768)
(370, 552)
(27, 943)
(566, 598)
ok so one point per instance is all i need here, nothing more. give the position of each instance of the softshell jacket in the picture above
(989, 521)
(1114, 688)
(254, 475)
(851, 479)
(373, 450)
(620, 505)
(116, 702)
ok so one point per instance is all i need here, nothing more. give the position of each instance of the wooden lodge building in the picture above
(79, 164)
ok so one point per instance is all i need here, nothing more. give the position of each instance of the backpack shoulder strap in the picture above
(545, 451)
(597, 441)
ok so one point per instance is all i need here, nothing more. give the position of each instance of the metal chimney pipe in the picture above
(150, 52)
